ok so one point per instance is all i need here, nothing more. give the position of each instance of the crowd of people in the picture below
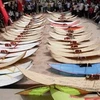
(13, 12)
(12, 9)
(82, 8)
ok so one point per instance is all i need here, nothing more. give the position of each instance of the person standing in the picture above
(86, 7)
(75, 9)
(29, 9)
(39, 6)
(51, 6)
(68, 5)
(45, 7)
(91, 11)
(60, 6)
(81, 9)
(96, 8)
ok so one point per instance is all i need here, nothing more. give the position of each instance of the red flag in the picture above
(4, 13)
(20, 7)
(1, 3)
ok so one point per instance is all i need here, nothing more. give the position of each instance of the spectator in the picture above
(91, 12)
(75, 9)
(52, 6)
(59, 5)
(29, 8)
(96, 7)
(45, 7)
(81, 9)
(86, 8)
(39, 6)
(97, 17)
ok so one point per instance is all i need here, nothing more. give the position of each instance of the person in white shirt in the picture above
(60, 5)
(45, 7)
(96, 7)
(51, 6)
(81, 9)
(68, 5)
(86, 7)
(29, 8)
(75, 8)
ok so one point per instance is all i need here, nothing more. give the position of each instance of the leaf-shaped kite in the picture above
(41, 90)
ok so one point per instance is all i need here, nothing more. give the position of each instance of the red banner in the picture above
(20, 7)
(4, 13)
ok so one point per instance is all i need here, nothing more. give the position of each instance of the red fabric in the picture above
(1, 3)
(91, 10)
(23, 2)
(4, 13)
(20, 7)
(89, 2)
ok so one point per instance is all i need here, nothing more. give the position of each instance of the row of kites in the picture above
(4, 12)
